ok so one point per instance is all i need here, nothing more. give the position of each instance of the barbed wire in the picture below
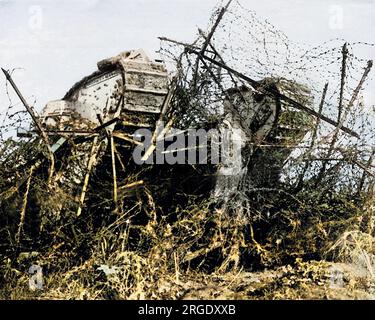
(256, 48)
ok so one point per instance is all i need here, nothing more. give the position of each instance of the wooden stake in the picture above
(115, 194)
(23, 210)
(343, 76)
(343, 117)
(156, 137)
(357, 90)
(216, 24)
(313, 138)
(93, 155)
(39, 127)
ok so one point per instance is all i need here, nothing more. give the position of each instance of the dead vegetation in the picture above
(299, 224)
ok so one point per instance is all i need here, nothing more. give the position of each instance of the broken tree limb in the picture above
(73, 132)
(132, 185)
(370, 64)
(217, 54)
(359, 86)
(126, 137)
(321, 105)
(55, 147)
(40, 130)
(216, 24)
(342, 117)
(114, 173)
(93, 155)
(106, 124)
(100, 119)
(88, 132)
(156, 137)
(28, 108)
(23, 210)
(208, 39)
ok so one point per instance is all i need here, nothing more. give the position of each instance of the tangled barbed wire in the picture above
(332, 75)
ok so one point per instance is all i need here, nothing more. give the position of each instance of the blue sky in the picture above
(56, 43)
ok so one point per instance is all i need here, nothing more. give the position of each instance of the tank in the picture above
(265, 129)
(130, 87)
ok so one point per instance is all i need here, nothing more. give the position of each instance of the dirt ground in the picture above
(309, 281)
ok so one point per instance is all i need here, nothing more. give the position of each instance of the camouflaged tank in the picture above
(268, 131)
(129, 87)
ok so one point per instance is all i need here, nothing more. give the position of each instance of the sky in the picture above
(57, 42)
